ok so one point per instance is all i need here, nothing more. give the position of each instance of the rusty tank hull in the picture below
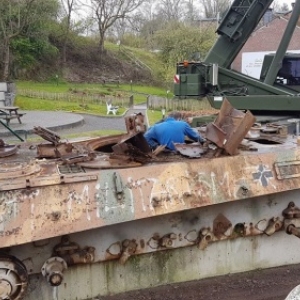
(108, 217)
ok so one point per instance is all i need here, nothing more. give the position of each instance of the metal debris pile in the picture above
(123, 150)
(224, 136)
(7, 150)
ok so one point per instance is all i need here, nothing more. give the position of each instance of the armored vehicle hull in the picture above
(104, 216)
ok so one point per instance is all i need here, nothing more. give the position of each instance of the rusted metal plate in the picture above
(215, 134)
(8, 150)
(40, 199)
(47, 134)
(135, 123)
(196, 202)
(30, 204)
(110, 162)
(229, 128)
(54, 151)
(136, 140)
(10, 171)
(287, 169)
(241, 127)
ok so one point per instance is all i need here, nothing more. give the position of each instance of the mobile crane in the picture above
(276, 90)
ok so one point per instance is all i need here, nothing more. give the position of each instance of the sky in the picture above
(289, 2)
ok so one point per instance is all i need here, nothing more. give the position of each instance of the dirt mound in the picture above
(87, 64)
(92, 66)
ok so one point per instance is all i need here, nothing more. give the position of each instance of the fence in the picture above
(153, 102)
(158, 103)
(80, 97)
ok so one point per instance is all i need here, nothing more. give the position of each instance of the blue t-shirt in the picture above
(170, 131)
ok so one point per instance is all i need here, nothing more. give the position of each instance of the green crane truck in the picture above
(276, 90)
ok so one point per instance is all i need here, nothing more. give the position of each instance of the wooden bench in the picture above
(7, 117)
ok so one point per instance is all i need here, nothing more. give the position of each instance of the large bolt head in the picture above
(5, 289)
(56, 279)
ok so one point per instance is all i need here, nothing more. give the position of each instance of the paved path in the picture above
(67, 123)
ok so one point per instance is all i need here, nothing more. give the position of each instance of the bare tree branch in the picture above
(106, 12)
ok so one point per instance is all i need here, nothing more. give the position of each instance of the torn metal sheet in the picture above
(135, 123)
(190, 150)
(137, 140)
(47, 134)
(229, 128)
(84, 150)
(8, 150)
(135, 153)
(78, 158)
(54, 151)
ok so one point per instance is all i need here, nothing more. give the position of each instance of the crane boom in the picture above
(235, 29)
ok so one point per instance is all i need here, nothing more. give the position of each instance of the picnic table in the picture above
(10, 112)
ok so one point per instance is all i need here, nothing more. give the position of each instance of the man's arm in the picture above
(192, 134)
(149, 135)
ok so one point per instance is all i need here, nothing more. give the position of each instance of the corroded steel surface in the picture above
(111, 198)
(230, 127)
(7, 150)
(43, 202)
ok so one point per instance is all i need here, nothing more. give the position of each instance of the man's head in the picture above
(176, 115)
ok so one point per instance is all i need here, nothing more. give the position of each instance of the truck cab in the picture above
(289, 73)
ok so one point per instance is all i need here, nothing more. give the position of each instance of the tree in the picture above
(192, 12)
(215, 8)
(23, 20)
(278, 6)
(145, 22)
(106, 12)
(120, 29)
(67, 6)
(179, 42)
(150, 27)
(171, 9)
(70, 25)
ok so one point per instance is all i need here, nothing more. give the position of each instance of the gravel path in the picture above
(92, 123)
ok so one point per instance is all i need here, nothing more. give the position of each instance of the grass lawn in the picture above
(154, 116)
(139, 92)
(28, 103)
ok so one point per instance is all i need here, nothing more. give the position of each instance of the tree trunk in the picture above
(6, 60)
(66, 39)
(101, 42)
(64, 52)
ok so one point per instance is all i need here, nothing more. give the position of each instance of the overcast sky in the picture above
(289, 2)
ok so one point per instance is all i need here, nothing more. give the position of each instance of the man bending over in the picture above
(171, 130)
